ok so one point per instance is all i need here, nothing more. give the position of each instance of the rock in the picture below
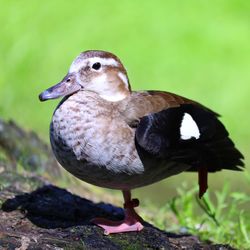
(38, 215)
(25, 149)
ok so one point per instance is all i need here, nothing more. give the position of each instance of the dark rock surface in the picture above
(37, 215)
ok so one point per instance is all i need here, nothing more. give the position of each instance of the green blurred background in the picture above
(199, 49)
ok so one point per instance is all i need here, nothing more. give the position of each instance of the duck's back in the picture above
(185, 131)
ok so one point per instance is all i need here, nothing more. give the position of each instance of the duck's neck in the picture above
(112, 89)
(114, 96)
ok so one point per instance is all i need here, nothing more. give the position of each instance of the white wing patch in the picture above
(189, 128)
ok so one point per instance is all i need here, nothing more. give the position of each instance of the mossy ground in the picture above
(35, 214)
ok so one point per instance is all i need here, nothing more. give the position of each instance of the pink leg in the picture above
(131, 222)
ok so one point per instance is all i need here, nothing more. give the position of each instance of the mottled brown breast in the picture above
(92, 141)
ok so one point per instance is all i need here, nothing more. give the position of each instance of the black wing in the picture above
(159, 134)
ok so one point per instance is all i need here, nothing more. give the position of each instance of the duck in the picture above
(107, 135)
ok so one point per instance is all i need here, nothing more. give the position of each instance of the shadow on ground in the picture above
(53, 217)
(53, 207)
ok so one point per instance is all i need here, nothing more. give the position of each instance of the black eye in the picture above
(68, 80)
(96, 66)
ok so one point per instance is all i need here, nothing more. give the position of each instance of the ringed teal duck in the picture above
(110, 136)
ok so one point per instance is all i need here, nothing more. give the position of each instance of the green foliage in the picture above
(221, 218)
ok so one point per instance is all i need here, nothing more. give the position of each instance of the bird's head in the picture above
(97, 71)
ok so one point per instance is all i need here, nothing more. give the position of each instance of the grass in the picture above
(199, 49)
(220, 219)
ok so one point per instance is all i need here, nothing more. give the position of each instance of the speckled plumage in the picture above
(97, 144)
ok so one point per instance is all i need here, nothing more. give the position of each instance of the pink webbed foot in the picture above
(131, 223)
(111, 227)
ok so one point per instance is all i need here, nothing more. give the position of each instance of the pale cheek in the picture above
(99, 83)
(123, 78)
